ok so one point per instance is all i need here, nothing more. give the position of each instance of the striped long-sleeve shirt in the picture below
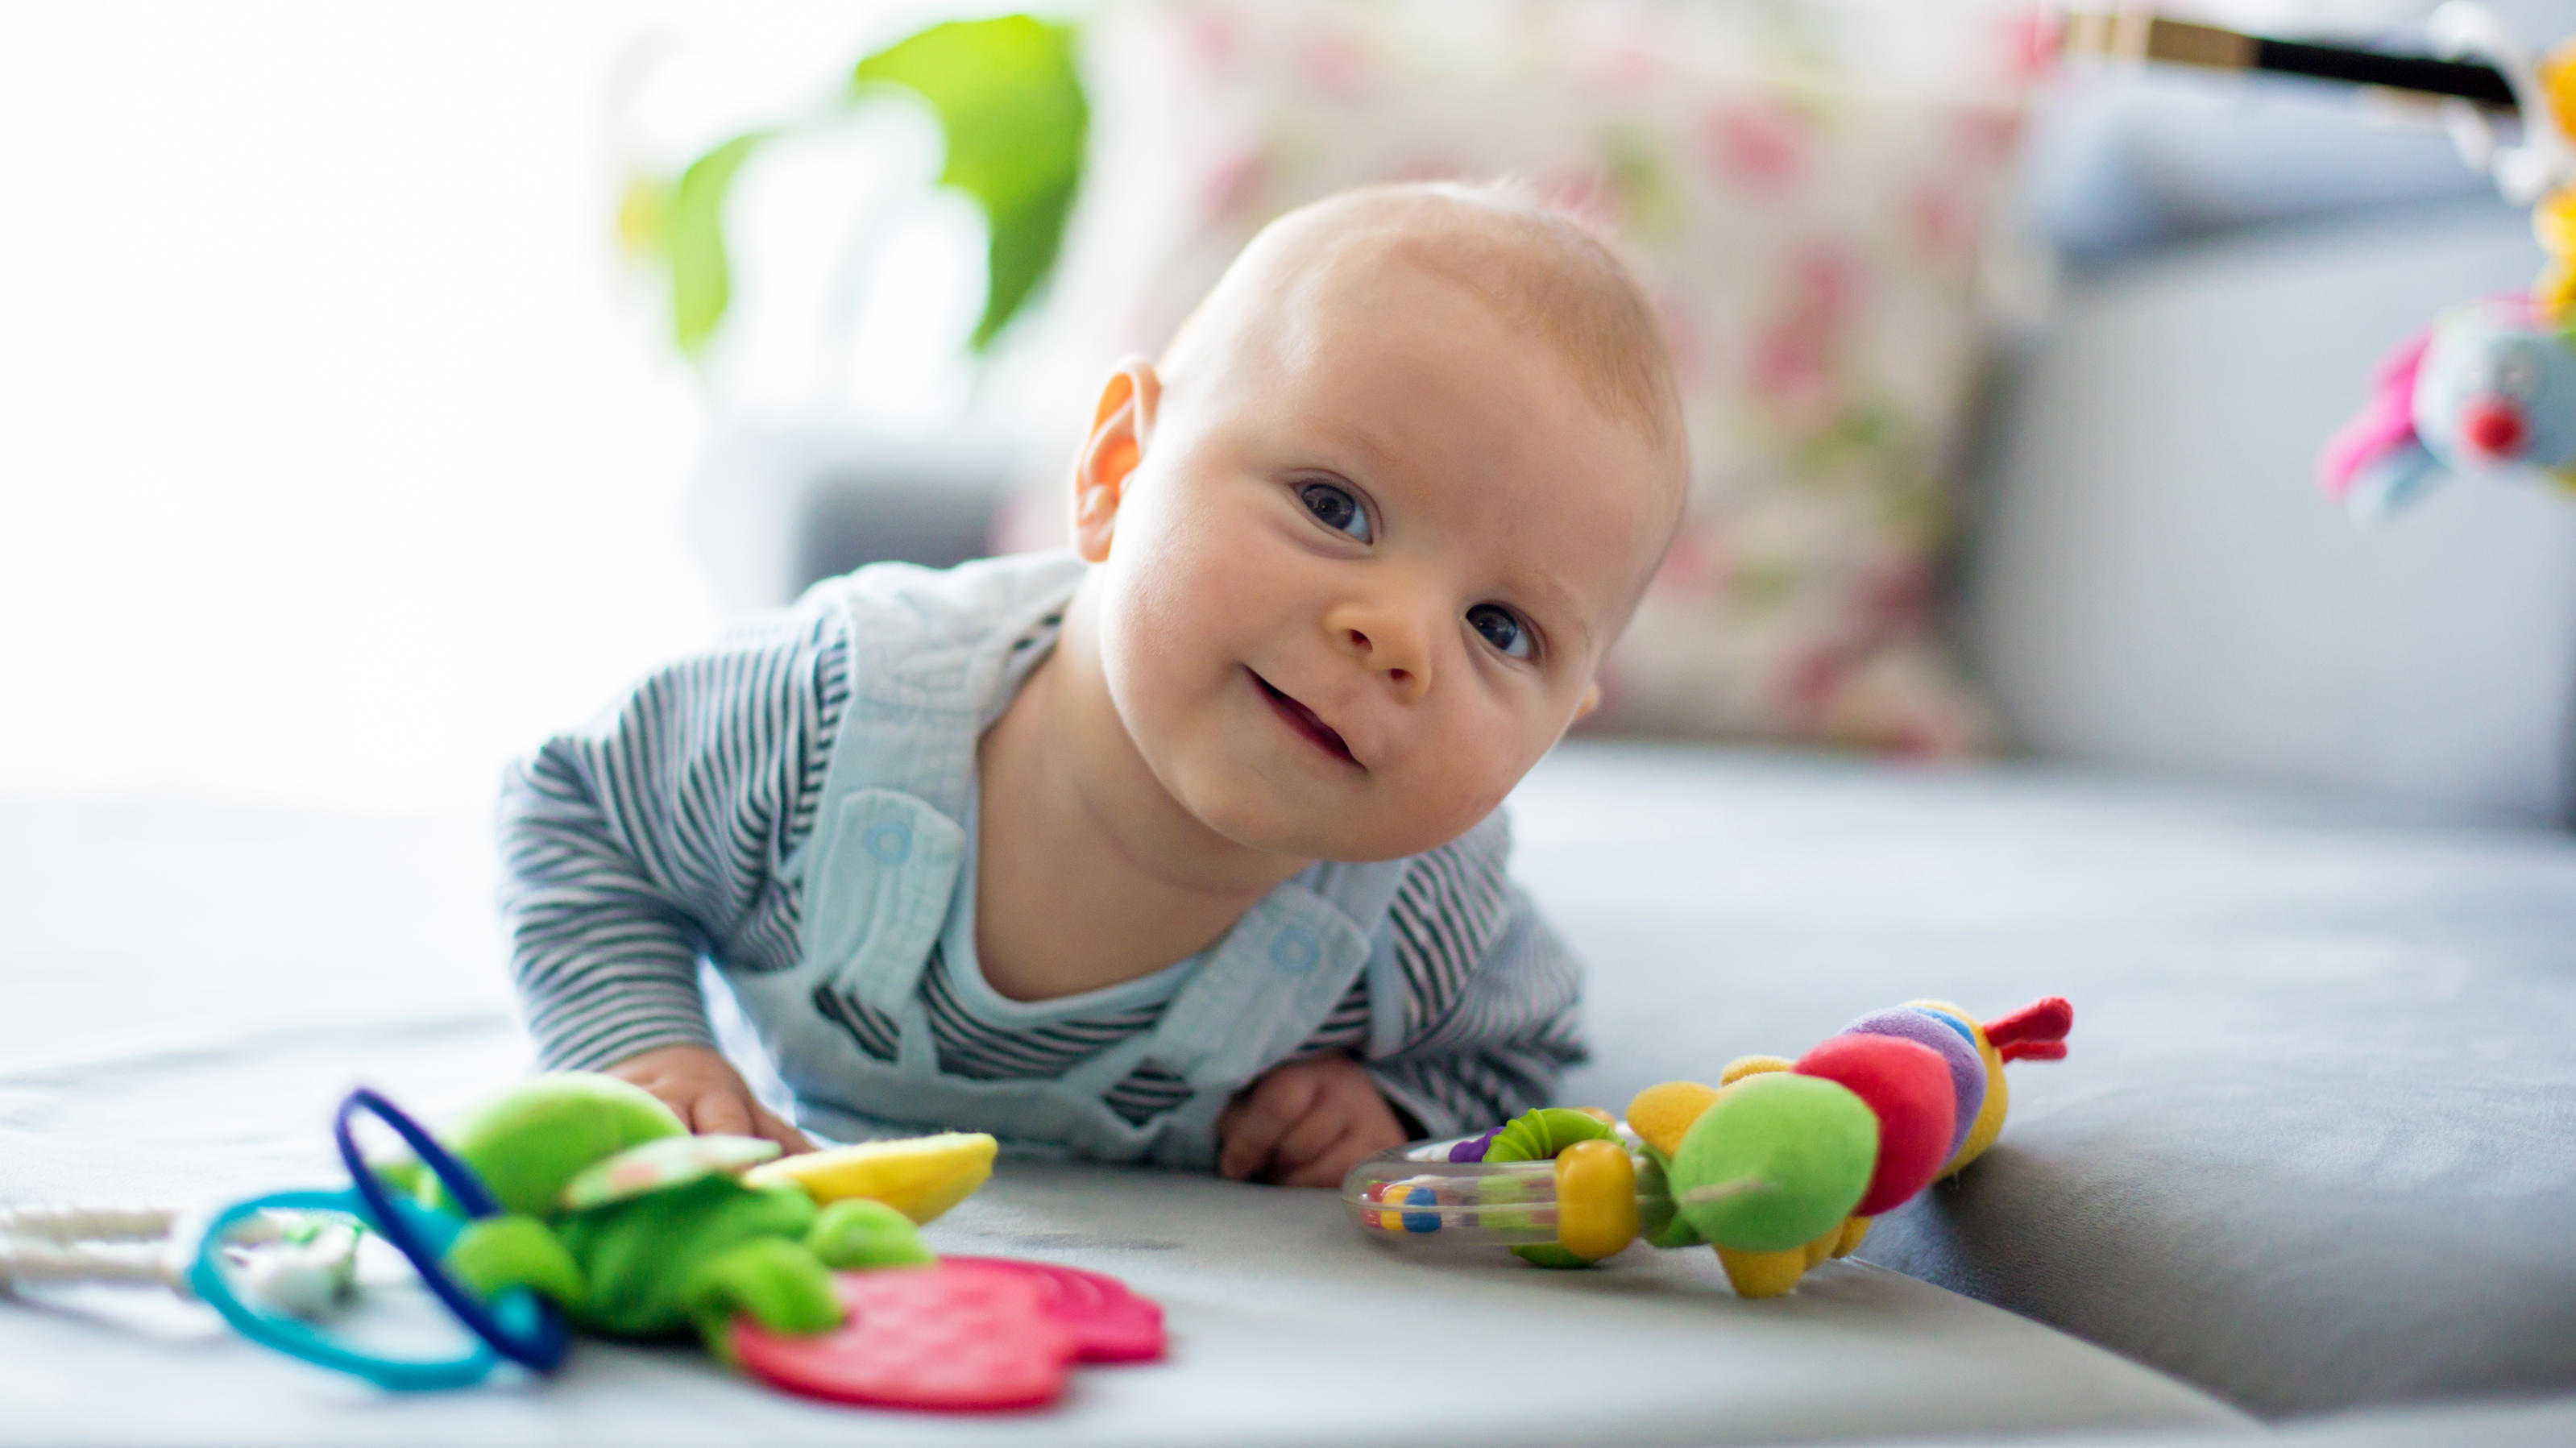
(655, 837)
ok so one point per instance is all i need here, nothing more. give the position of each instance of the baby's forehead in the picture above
(1551, 279)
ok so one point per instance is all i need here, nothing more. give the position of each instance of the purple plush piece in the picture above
(1967, 1070)
(1473, 1149)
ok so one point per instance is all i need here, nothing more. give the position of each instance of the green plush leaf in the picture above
(857, 1234)
(514, 1251)
(1009, 99)
(776, 1281)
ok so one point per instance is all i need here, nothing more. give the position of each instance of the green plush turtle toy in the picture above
(637, 1229)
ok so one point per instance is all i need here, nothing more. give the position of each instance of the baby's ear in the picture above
(1120, 429)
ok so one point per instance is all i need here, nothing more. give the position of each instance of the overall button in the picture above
(890, 842)
(1294, 949)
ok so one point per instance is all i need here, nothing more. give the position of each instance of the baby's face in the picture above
(1361, 577)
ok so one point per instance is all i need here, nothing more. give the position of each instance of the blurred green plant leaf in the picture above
(692, 230)
(1010, 102)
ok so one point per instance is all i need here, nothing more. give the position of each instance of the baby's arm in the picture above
(1499, 1045)
(634, 846)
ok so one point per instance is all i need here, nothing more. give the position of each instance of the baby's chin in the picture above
(1313, 830)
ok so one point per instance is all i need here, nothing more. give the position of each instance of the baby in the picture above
(1184, 847)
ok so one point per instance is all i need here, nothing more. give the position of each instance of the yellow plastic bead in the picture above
(1596, 1199)
(1391, 1193)
(1660, 1114)
(1743, 1066)
(1763, 1274)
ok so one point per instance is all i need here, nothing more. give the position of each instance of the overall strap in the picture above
(1270, 983)
(928, 652)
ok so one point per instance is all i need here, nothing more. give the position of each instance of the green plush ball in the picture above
(1774, 1162)
(529, 1141)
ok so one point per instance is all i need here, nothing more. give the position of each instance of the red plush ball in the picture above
(1907, 1086)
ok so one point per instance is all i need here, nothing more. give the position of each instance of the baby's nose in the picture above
(1384, 641)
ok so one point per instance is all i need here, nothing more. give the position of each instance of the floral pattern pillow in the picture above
(1804, 193)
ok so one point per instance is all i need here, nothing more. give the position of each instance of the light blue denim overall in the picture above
(930, 656)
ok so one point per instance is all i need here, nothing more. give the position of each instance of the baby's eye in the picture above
(1500, 629)
(1336, 509)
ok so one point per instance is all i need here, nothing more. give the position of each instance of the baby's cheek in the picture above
(1449, 790)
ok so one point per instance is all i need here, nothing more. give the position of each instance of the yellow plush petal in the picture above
(1743, 1066)
(1763, 1274)
(920, 1176)
(1660, 1114)
(1822, 1249)
(1854, 1230)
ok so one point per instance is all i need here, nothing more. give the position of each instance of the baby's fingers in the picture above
(720, 1113)
(767, 1123)
(1306, 1139)
(1265, 1113)
(1330, 1163)
(1257, 1128)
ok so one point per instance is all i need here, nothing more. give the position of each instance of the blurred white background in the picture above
(341, 454)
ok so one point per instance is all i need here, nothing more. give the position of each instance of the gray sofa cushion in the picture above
(2312, 1147)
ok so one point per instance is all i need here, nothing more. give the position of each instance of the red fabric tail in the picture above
(2034, 1032)
(2033, 1051)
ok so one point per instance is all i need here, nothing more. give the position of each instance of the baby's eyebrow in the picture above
(1560, 603)
(1341, 432)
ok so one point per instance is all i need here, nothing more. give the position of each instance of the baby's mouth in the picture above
(1304, 721)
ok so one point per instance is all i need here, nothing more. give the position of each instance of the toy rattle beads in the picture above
(1779, 1166)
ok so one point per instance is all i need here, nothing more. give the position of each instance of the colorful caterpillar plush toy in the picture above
(1779, 1166)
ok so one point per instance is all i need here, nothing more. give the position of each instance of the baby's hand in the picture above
(707, 1093)
(1306, 1124)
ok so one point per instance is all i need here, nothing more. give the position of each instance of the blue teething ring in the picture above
(303, 1340)
(538, 1340)
(518, 1325)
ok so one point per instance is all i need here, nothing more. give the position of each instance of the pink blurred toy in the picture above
(2488, 390)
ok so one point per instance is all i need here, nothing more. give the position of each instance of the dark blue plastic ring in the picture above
(542, 1349)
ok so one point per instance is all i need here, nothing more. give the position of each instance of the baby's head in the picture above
(1365, 533)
